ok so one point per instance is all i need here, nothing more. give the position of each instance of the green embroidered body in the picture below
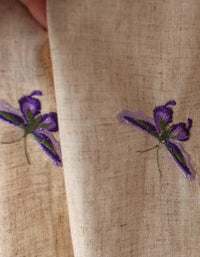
(45, 143)
(10, 117)
(178, 155)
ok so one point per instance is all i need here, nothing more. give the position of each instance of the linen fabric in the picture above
(112, 55)
(33, 208)
(106, 56)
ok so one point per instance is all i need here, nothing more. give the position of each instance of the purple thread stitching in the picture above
(32, 122)
(160, 128)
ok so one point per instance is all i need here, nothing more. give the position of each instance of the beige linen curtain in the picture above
(111, 55)
(106, 56)
(33, 209)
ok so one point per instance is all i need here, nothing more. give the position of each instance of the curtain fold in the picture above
(33, 208)
(112, 55)
(106, 56)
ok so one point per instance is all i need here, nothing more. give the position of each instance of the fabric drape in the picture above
(106, 56)
(33, 207)
(113, 55)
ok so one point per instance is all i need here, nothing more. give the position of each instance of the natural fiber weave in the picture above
(33, 208)
(111, 55)
(106, 56)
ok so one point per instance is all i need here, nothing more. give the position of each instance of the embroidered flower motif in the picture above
(35, 124)
(160, 127)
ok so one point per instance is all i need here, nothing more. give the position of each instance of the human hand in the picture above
(37, 8)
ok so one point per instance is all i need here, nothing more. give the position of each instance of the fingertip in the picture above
(38, 10)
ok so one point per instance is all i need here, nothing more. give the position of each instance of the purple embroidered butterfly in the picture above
(161, 129)
(33, 123)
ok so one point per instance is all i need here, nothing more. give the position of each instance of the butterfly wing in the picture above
(49, 145)
(139, 120)
(11, 115)
(181, 158)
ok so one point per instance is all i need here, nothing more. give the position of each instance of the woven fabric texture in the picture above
(33, 208)
(106, 56)
(111, 55)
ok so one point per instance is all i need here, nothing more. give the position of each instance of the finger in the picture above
(38, 10)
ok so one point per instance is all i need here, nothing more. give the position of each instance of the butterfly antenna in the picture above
(14, 141)
(26, 152)
(149, 149)
(158, 162)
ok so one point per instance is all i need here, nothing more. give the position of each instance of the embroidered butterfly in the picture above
(35, 124)
(160, 128)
